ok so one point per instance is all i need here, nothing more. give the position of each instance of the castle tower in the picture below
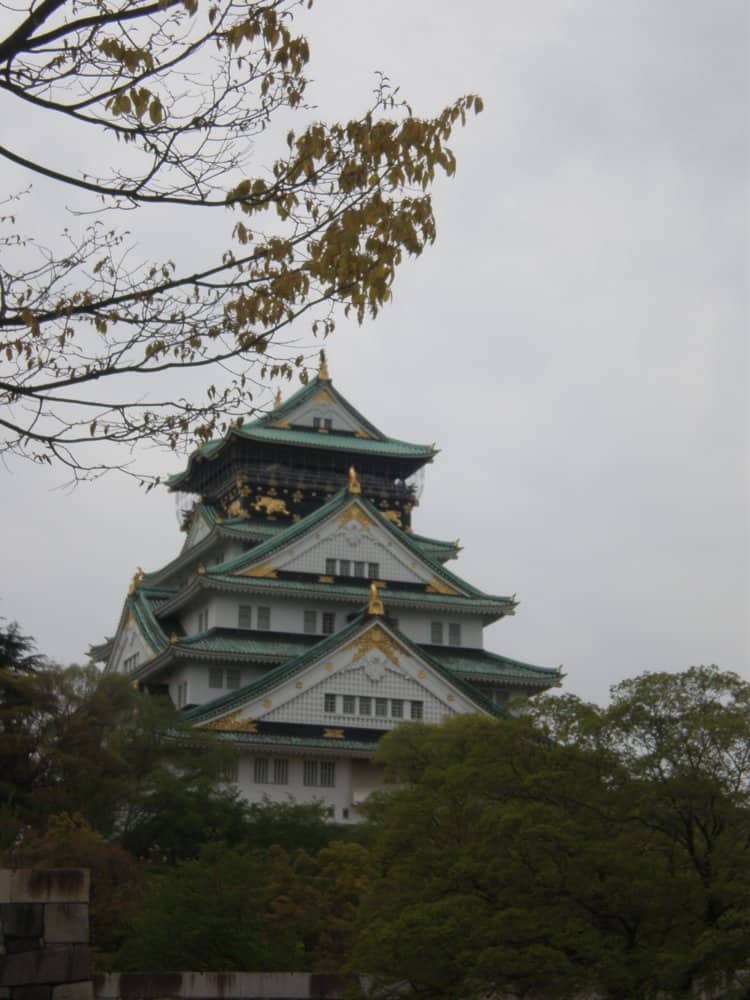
(303, 617)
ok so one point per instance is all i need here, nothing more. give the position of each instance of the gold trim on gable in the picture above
(265, 570)
(437, 586)
(375, 638)
(323, 396)
(359, 433)
(232, 723)
(283, 425)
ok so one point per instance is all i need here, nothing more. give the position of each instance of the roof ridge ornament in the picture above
(323, 374)
(354, 484)
(376, 605)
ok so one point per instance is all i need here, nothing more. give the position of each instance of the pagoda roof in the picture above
(226, 703)
(479, 664)
(273, 428)
(334, 506)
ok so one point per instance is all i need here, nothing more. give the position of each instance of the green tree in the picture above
(210, 914)
(581, 849)
(177, 95)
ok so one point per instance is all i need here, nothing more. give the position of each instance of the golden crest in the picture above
(333, 734)
(377, 639)
(359, 433)
(323, 396)
(394, 517)
(354, 513)
(264, 570)
(283, 425)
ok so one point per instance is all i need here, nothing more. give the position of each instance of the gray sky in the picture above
(575, 341)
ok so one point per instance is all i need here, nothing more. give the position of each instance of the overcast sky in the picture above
(576, 342)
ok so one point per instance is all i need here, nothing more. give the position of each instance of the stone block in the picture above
(74, 991)
(22, 920)
(50, 885)
(55, 964)
(66, 922)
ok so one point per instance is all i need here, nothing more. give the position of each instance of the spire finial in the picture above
(376, 605)
(323, 375)
(354, 484)
(277, 399)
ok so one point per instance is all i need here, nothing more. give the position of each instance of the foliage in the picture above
(289, 825)
(317, 896)
(88, 744)
(210, 914)
(116, 877)
(177, 94)
(576, 849)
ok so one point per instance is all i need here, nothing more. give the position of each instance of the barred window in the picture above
(381, 707)
(373, 570)
(234, 678)
(417, 710)
(454, 634)
(327, 774)
(311, 622)
(359, 569)
(328, 622)
(310, 773)
(331, 567)
(316, 423)
(215, 677)
(245, 616)
(260, 771)
(345, 567)
(397, 708)
(281, 771)
(349, 704)
(436, 633)
(264, 619)
(329, 703)
(365, 706)
(328, 424)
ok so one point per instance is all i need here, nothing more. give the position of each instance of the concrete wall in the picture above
(44, 935)
(219, 986)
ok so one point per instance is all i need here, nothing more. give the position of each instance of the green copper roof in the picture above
(284, 742)
(337, 503)
(479, 662)
(262, 430)
(261, 645)
(325, 647)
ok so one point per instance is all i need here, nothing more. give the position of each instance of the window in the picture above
(234, 678)
(381, 707)
(327, 773)
(349, 704)
(436, 633)
(359, 569)
(320, 773)
(329, 703)
(231, 771)
(244, 616)
(260, 771)
(345, 567)
(331, 567)
(365, 706)
(316, 423)
(281, 771)
(264, 619)
(203, 620)
(182, 694)
(373, 570)
(328, 619)
(130, 662)
(215, 677)
(417, 710)
(310, 773)
(454, 634)
(311, 622)
(328, 424)
(397, 708)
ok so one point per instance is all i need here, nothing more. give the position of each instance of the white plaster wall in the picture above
(196, 675)
(339, 798)
(128, 642)
(322, 405)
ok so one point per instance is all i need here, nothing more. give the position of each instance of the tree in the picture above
(209, 914)
(574, 850)
(179, 94)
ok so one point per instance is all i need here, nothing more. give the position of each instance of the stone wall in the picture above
(44, 934)
(218, 986)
